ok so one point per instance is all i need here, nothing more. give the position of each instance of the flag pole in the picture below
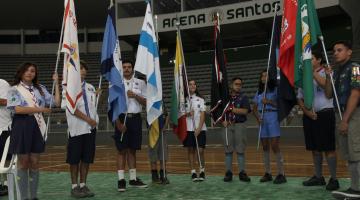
(98, 95)
(331, 78)
(226, 128)
(160, 131)
(122, 132)
(188, 91)
(55, 71)
(267, 74)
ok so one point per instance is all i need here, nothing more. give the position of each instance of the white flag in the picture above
(70, 47)
(147, 62)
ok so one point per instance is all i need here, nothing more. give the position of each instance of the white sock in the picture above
(132, 173)
(82, 185)
(193, 171)
(121, 174)
(202, 169)
(73, 186)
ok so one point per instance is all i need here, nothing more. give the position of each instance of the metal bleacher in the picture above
(248, 70)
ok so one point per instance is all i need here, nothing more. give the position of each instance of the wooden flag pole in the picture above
(187, 86)
(55, 71)
(267, 75)
(331, 78)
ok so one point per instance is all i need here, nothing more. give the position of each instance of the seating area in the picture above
(248, 70)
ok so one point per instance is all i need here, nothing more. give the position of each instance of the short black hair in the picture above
(318, 55)
(128, 61)
(84, 65)
(237, 78)
(346, 43)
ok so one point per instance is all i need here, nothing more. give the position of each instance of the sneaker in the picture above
(244, 177)
(77, 192)
(87, 191)
(280, 179)
(194, 177)
(347, 194)
(122, 185)
(266, 178)
(201, 176)
(3, 190)
(155, 176)
(137, 183)
(333, 184)
(314, 181)
(228, 176)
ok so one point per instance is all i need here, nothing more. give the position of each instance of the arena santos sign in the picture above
(231, 13)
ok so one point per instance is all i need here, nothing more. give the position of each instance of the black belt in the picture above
(132, 115)
(268, 110)
(325, 110)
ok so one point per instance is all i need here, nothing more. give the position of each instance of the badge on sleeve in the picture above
(355, 74)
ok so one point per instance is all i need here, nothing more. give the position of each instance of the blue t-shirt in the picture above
(239, 101)
(270, 95)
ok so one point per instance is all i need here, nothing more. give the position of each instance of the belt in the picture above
(325, 110)
(131, 115)
(268, 110)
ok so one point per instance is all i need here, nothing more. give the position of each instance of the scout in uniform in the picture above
(347, 86)
(27, 100)
(81, 136)
(270, 127)
(195, 128)
(128, 129)
(236, 138)
(5, 127)
(319, 127)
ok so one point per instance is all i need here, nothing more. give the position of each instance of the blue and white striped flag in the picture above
(147, 62)
(111, 67)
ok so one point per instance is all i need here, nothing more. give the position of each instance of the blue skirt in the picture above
(25, 136)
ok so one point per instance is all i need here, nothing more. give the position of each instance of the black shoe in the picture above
(244, 177)
(155, 176)
(314, 181)
(266, 178)
(194, 177)
(3, 190)
(228, 176)
(280, 179)
(201, 176)
(122, 185)
(163, 178)
(87, 191)
(333, 184)
(347, 194)
(137, 183)
(77, 193)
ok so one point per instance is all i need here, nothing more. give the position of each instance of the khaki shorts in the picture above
(349, 144)
(237, 139)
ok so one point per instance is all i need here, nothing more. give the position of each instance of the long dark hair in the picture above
(21, 71)
(196, 91)
(271, 84)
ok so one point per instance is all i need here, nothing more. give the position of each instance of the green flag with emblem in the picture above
(307, 34)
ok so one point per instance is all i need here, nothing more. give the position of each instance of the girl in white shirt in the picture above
(195, 109)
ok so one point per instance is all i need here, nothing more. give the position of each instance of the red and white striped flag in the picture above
(70, 47)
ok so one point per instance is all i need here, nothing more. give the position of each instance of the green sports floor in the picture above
(56, 186)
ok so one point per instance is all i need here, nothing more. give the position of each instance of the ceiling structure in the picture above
(46, 15)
